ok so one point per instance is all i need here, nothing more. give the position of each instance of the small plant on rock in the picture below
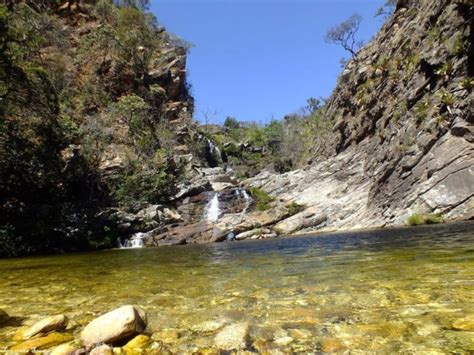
(294, 208)
(417, 219)
(262, 198)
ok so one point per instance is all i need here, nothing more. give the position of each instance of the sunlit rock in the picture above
(45, 342)
(46, 325)
(233, 337)
(117, 325)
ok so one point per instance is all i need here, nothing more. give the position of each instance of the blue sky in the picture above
(261, 59)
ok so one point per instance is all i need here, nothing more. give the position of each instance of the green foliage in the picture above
(153, 181)
(294, 208)
(262, 198)
(459, 45)
(445, 70)
(467, 83)
(446, 97)
(387, 9)
(420, 219)
(421, 109)
(231, 123)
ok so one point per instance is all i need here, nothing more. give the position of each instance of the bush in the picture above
(262, 198)
(420, 219)
(294, 208)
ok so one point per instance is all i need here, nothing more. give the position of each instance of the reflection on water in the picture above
(385, 291)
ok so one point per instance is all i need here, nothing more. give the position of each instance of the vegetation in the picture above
(262, 199)
(420, 219)
(65, 111)
(345, 33)
(294, 208)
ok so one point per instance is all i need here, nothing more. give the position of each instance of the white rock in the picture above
(233, 337)
(114, 326)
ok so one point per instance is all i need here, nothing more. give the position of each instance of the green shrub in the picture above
(262, 198)
(420, 219)
(294, 208)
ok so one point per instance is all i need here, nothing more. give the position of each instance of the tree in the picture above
(344, 34)
(231, 123)
(139, 4)
(387, 9)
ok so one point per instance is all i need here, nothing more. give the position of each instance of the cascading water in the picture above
(248, 201)
(212, 210)
(136, 241)
(215, 151)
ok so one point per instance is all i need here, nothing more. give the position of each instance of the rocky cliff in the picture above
(402, 141)
(98, 141)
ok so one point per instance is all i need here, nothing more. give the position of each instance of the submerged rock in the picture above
(331, 345)
(102, 350)
(137, 344)
(45, 342)
(117, 325)
(466, 324)
(64, 349)
(233, 337)
(3, 316)
(46, 325)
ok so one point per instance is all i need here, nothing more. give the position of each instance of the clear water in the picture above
(383, 291)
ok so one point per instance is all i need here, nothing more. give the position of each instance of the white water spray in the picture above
(136, 241)
(248, 201)
(212, 210)
(215, 151)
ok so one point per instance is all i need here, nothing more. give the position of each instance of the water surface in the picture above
(384, 291)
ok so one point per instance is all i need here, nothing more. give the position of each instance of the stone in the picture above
(466, 324)
(308, 218)
(151, 212)
(45, 342)
(331, 345)
(210, 326)
(46, 325)
(283, 341)
(233, 337)
(117, 325)
(137, 344)
(102, 350)
(64, 349)
(166, 336)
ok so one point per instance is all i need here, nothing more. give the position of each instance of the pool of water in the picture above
(383, 291)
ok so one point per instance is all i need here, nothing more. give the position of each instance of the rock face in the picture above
(53, 323)
(114, 326)
(402, 141)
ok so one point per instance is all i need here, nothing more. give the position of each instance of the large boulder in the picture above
(233, 337)
(117, 325)
(46, 325)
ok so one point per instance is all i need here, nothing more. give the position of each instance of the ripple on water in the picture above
(387, 291)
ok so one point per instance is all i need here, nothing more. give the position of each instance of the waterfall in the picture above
(248, 201)
(212, 210)
(215, 151)
(136, 241)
